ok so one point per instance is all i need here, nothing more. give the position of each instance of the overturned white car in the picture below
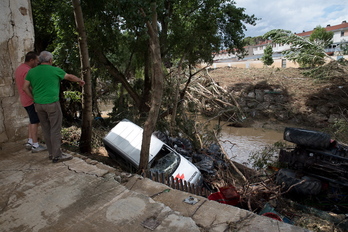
(124, 141)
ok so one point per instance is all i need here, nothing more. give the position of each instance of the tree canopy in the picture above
(308, 52)
(321, 37)
(267, 57)
(190, 31)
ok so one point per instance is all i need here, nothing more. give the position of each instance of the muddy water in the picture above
(240, 142)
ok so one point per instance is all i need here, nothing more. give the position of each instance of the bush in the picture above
(266, 157)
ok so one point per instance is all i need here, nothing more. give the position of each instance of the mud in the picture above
(312, 102)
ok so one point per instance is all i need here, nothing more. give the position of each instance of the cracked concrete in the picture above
(84, 195)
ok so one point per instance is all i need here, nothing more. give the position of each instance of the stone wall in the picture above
(16, 39)
(269, 102)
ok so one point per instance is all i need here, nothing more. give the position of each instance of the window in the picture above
(342, 33)
(165, 163)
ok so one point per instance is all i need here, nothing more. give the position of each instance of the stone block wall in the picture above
(16, 39)
(274, 102)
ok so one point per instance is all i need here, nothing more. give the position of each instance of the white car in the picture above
(124, 141)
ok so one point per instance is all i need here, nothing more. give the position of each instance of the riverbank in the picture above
(286, 95)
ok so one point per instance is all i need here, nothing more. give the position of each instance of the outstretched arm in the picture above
(74, 78)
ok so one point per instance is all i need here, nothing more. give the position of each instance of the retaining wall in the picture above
(16, 39)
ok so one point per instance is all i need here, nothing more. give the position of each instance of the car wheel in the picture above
(307, 138)
(288, 178)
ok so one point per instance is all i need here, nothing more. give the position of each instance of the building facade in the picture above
(340, 38)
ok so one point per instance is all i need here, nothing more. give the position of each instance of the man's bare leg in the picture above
(33, 131)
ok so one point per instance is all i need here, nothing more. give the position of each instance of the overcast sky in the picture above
(293, 15)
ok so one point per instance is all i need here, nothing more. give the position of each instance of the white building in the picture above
(340, 37)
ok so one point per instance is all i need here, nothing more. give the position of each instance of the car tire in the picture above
(307, 138)
(288, 178)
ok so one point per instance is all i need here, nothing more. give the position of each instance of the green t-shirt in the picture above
(45, 83)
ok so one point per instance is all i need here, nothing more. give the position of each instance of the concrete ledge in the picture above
(85, 195)
(210, 215)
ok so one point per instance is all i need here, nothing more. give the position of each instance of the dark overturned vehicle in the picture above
(316, 165)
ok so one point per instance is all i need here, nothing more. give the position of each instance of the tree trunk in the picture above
(157, 90)
(86, 130)
(147, 76)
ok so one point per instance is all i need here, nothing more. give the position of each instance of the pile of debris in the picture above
(311, 182)
(312, 174)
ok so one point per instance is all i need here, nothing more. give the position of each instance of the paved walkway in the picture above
(85, 195)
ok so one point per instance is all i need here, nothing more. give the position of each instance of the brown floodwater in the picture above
(241, 142)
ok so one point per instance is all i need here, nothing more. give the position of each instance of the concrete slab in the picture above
(210, 215)
(84, 195)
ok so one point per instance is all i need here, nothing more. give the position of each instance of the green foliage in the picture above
(342, 61)
(74, 96)
(339, 130)
(344, 47)
(307, 52)
(266, 157)
(192, 28)
(267, 57)
(45, 31)
(250, 41)
(321, 37)
(327, 71)
(201, 135)
(71, 136)
(188, 30)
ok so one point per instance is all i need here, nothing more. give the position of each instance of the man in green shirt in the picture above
(42, 83)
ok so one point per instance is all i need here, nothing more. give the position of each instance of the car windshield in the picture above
(166, 163)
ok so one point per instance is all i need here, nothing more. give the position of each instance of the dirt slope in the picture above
(306, 92)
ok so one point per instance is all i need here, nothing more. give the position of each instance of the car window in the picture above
(166, 163)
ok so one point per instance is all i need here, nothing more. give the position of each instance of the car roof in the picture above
(127, 137)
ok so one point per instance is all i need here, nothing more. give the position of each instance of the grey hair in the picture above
(45, 57)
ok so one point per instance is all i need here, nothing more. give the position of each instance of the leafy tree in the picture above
(190, 31)
(267, 56)
(45, 31)
(321, 37)
(55, 31)
(308, 52)
(124, 48)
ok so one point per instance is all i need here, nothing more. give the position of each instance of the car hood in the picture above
(188, 172)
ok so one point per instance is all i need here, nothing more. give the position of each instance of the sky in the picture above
(293, 15)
